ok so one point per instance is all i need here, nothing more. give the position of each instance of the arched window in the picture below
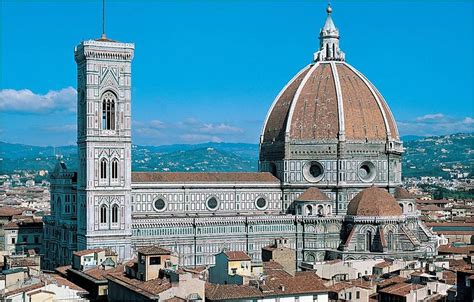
(410, 207)
(103, 214)
(390, 240)
(368, 241)
(103, 168)
(108, 111)
(115, 169)
(403, 208)
(320, 210)
(309, 210)
(115, 212)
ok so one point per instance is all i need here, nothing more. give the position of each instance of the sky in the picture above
(210, 70)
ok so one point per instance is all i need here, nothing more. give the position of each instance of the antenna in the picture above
(103, 20)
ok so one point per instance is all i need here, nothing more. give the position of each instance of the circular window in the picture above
(212, 203)
(313, 171)
(367, 171)
(261, 203)
(160, 204)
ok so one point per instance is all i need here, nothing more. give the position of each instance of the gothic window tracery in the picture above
(108, 110)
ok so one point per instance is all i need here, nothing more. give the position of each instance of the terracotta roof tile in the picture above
(89, 251)
(277, 282)
(313, 194)
(277, 119)
(401, 289)
(374, 201)
(237, 256)
(203, 177)
(153, 250)
(402, 193)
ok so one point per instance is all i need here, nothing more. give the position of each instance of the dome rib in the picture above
(340, 103)
(390, 125)
(370, 86)
(296, 97)
(329, 101)
(281, 118)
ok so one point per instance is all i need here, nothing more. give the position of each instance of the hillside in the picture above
(446, 156)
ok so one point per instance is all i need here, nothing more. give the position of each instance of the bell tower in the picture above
(104, 145)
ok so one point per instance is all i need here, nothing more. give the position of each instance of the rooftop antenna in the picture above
(103, 20)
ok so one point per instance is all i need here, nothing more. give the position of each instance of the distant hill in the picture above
(424, 156)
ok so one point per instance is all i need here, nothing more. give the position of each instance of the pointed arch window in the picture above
(103, 168)
(115, 213)
(115, 169)
(103, 214)
(108, 111)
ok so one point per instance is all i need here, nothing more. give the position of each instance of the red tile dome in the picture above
(374, 201)
(329, 100)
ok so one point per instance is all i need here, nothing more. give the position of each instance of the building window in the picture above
(368, 241)
(212, 203)
(159, 204)
(155, 260)
(357, 294)
(13, 240)
(103, 214)
(103, 168)
(261, 203)
(108, 111)
(115, 169)
(390, 240)
(115, 211)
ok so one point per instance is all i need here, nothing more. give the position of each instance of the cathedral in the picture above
(328, 182)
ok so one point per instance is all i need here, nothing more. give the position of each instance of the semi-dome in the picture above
(329, 100)
(374, 201)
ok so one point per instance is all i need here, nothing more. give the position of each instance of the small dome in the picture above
(401, 193)
(313, 194)
(329, 100)
(374, 201)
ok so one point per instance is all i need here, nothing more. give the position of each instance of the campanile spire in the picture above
(329, 41)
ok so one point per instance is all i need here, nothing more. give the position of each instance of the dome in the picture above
(401, 194)
(329, 101)
(374, 201)
(313, 194)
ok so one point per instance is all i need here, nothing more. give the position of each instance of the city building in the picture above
(329, 168)
(155, 276)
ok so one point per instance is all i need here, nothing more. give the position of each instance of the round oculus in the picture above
(261, 203)
(212, 203)
(367, 171)
(160, 204)
(313, 171)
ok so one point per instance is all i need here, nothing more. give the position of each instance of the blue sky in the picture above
(209, 71)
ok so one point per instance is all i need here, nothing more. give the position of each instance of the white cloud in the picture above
(431, 117)
(219, 128)
(189, 130)
(436, 124)
(26, 101)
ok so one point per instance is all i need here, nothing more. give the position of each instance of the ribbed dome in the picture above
(374, 201)
(329, 100)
